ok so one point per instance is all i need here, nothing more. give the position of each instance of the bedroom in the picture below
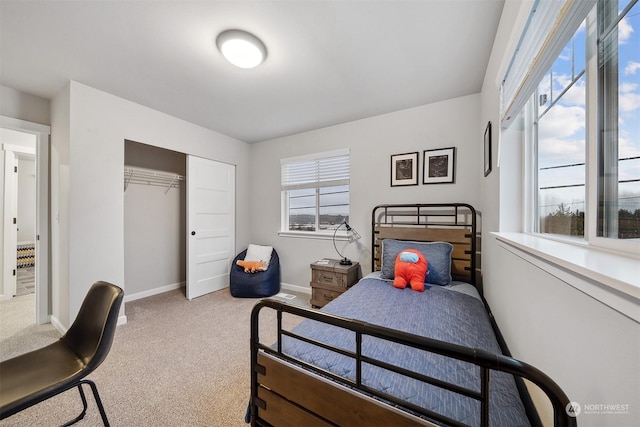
(97, 118)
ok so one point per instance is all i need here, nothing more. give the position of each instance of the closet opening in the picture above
(154, 220)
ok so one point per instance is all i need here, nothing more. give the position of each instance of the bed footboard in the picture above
(287, 391)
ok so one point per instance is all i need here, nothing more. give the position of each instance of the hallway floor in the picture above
(26, 281)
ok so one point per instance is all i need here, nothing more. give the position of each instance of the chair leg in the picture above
(94, 389)
(103, 414)
(84, 408)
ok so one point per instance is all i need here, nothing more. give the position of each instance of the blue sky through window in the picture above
(561, 130)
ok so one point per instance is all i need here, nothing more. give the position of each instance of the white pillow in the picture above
(259, 253)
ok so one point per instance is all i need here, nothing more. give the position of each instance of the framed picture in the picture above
(487, 150)
(404, 169)
(439, 166)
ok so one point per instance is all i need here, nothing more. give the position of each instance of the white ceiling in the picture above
(328, 62)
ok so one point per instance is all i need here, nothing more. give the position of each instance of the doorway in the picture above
(25, 214)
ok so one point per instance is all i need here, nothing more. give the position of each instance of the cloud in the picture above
(624, 31)
(627, 148)
(561, 136)
(561, 122)
(626, 87)
(631, 68)
(628, 102)
(629, 97)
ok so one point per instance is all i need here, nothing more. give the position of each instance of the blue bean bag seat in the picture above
(255, 285)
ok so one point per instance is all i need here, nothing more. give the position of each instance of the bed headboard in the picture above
(444, 222)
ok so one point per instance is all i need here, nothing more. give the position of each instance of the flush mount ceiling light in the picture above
(242, 49)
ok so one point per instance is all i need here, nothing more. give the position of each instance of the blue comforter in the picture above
(437, 313)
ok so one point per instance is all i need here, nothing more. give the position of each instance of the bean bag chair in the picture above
(258, 284)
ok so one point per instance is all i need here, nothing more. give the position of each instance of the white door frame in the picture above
(42, 133)
(9, 228)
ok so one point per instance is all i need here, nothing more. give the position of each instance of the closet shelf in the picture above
(151, 177)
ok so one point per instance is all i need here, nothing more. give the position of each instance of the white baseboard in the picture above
(57, 325)
(122, 320)
(296, 288)
(151, 292)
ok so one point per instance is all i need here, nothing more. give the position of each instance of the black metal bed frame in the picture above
(421, 213)
(447, 215)
(485, 360)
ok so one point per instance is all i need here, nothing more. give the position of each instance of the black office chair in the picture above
(36, 376)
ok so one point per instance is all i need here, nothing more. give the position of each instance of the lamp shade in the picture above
(241, 48)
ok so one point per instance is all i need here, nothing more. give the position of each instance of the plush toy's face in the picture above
(252, 266)
(410, 268)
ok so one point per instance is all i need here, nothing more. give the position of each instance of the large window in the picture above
(315, 192)
(561, 125)
(576, 162)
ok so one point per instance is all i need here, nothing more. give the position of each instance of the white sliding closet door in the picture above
(210, 225)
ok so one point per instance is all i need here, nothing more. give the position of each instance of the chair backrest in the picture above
(91, 334)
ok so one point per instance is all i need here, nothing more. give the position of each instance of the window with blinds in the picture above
(550, 25)
(315, 191)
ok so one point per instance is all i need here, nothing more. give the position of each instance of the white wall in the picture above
(24, 106)
(589, 349)
(372, 141)
(99, 123)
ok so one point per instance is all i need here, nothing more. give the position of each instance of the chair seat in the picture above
(32, 375)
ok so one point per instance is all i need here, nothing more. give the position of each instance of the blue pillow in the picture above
(438, 255)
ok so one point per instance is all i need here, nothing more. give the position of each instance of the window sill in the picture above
(312, 235)
(610, 278)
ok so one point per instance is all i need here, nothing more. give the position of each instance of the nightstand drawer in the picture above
(329, 278)
(322, 296)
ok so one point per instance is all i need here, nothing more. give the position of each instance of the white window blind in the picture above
(318, 170)
(550, 26)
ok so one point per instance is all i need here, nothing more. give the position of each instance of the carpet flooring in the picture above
(175, 363)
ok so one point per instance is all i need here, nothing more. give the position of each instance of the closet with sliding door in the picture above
(154, 219)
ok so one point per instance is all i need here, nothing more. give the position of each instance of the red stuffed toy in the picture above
(410, 268)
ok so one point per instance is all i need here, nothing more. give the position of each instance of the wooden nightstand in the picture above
(330, 279)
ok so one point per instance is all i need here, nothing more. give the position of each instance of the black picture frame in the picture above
(404, 169)
(487, 149)
(439, 166)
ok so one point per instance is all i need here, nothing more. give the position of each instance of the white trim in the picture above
(58, 326)
(316, 156)
(296, 288)
(19, 148)
(610, 278)
(519, 27)
(42, 133)
(340, 235)
(154, 291)
(9, 229)
(22, 125)
(122, 320)
(551, 25)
